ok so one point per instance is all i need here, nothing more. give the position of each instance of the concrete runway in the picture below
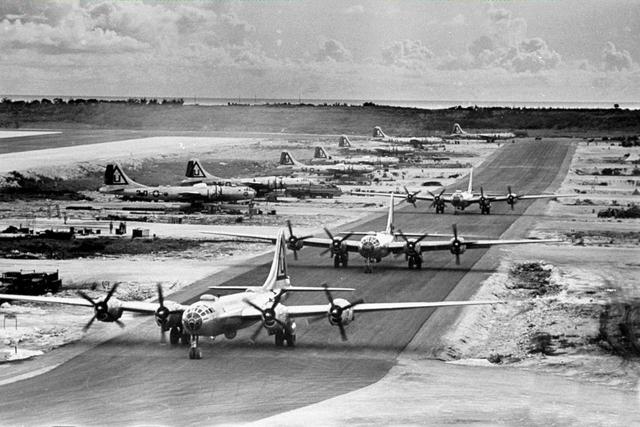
(132, 379)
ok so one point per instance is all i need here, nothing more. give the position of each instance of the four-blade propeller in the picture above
(436, 199)
(336, 244)
(162, 314)
(456, 244)
(293, 242)
(335, 311)
(100, 308)
(269, 318)
(411, 197)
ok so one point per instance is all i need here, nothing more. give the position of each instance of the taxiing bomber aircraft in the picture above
(119, 184)
(212, 316)
(458, 133)
(460, 200)
(373, 246)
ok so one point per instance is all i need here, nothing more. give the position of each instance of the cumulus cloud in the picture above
(614, 59)
(410, 54)
(505, 45)
(333, 50)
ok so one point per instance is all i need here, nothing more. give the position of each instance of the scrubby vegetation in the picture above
(632, 211)
(17, 185)
(534, 277)
(76, 248)
(359, 119)
(620, 328)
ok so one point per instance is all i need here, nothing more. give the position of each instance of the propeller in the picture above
(269, 319)
(162, 314)
(456, 244)
(511, 197)
(436, 199)
(100, 308)
(411, 245)
(293, 242)
(335, 311)
(411, 197)
(336, 244)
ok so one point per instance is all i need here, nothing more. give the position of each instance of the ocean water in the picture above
(425, 104)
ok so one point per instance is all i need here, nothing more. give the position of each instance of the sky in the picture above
(518, 50)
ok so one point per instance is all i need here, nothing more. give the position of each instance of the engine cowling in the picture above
(294, 244)
(337, 314)
(457, 246)
(412, 248)
(168, 316)
(108, 312)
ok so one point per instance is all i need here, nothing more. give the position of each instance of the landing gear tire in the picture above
(411, 263)
(279, 337)
(174, 336)
(367, 267)
(336, 261)
(195, 353)
(290, 339)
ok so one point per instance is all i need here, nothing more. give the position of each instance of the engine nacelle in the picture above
(337, 316)
(294, 244)
(458, 246)
(338, 247)
(412, 248)
(169, 316)
(108, 312)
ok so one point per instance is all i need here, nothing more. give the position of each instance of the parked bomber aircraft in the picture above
(463, 199)
(416, 141)
(261, 184)
(383, 149)
(320, 156)
(288, 162)
(119, 184)
(212, 316)
(458, 133)
(373, 246)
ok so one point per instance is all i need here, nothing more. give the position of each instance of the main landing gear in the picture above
(414, 262)
(341, 259)
(485, 210)
(439, 209)
(194, 351)
(176, 335)
(283, 336)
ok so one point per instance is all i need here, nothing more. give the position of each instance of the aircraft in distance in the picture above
(458, 133)
(119, 184)
(460, 200)
(261, 184)
(373, 246)
(212, 316)
(384, 149)
(416, 141)
(321, 156)
(288, 162)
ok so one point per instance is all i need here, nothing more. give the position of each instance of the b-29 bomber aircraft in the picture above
(320, 156)
(287, 161)
(461, 200)
(212, 316)
(415, 141)
(116, 182)
(373, 246)
(458, 133)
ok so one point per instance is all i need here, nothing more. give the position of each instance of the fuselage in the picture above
(375, 245)
(461, 199)
(222, 315)
(201, 192)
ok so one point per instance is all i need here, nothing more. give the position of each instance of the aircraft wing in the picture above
(320, 309)
(315, 242)
(427, 246)
(132, 306)
(531, 196)
(288, 289)
(476, 244)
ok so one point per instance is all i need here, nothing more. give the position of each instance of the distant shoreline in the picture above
(401, 103)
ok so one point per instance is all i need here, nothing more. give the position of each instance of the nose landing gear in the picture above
(194, 351)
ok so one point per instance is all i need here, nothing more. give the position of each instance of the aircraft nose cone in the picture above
(192, 322)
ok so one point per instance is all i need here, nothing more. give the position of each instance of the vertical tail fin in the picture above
(114, 176)
(278, 277)
(195, 170)
(377, 132)
(287, 159)
(344, 141)
(389, 228)
(470, 187)
(457, 130)
(320, 153)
